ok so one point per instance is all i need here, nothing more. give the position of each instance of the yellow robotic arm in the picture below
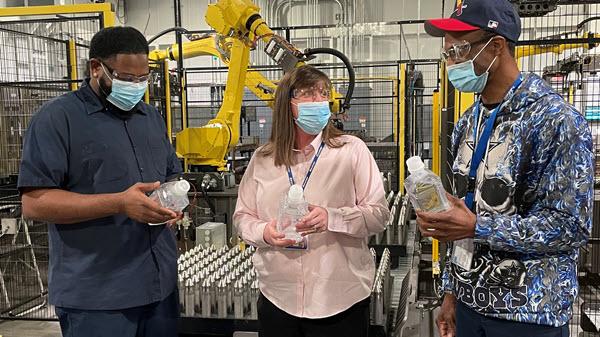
(239, 21)
(219, 46)
(216, 45)
(238, 25)
(525, 51)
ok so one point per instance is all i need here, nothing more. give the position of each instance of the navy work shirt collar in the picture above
(94, 104)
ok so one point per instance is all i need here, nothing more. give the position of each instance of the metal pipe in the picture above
(278, 17)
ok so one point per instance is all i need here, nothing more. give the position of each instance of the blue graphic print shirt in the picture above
(533, 195)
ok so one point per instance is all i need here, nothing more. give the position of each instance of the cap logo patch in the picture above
(459, 7)
(493, 24)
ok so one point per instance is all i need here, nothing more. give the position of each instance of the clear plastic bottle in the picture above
(424, 188)
(172, 195)
(292, 209)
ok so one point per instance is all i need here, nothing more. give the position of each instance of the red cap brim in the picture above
(439, 27)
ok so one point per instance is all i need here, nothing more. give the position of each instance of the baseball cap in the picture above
(497, 16)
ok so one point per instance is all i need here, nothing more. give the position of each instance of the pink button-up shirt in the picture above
(337, 269)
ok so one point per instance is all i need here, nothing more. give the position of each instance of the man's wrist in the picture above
(449, 296)
(117, 201)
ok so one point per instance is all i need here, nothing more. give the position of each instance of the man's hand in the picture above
(457, 223)
(314, 222)
(171, 223)
(139, 207)
(446, 319)
(275, 238)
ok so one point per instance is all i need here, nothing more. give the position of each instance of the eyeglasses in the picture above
(311, 92)
(126, 77)
(460, 51)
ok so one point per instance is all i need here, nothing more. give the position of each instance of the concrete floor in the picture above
(29, 329)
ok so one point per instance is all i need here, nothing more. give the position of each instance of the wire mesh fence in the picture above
(561, 47)
(372, 117)
(157, 88)
(35, 67)
(23, 261)
(41, 59)
(422, 79)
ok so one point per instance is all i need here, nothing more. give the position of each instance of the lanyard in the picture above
(312, 167)
(482, 143)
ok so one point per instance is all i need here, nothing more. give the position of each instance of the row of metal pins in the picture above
(218, 283)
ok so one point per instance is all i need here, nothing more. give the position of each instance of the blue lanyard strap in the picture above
(482, 143)
(310, 170)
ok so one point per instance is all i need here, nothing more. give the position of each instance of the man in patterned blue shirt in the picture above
(523, 162)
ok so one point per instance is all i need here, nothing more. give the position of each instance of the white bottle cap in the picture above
(181, 187)
(415, 164)
(295, 194)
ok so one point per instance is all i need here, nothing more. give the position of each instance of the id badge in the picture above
(302, 245)
(462, 254)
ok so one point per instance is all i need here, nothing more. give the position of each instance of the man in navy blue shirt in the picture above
(90, 159)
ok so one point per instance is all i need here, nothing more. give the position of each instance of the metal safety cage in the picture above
(41, 59)
(372, 117)
(361, 42)
(562, 48)
(421, 84)
(23, 261)
(161, 91)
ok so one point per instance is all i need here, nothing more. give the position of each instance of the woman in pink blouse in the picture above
(322, 289)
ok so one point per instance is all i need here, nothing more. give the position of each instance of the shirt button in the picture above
(141, 169)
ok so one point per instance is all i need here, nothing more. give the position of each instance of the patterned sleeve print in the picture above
(561, 168)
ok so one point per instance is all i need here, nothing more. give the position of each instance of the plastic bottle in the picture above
(424, 188)
(292, 209)
(172, 195)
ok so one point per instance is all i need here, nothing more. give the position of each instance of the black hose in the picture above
(582, 23)
(351, 73)
(168, 30)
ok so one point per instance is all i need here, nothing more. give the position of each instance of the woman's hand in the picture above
(314, 222)
(275, 238)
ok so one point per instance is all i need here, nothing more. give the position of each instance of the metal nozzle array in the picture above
(218, 283)
(381, 291)
(402, 219)
(395, 227)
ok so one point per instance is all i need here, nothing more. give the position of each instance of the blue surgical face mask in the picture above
(313, 116)
(125, 95)
(464, 78)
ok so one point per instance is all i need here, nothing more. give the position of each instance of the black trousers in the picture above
(470, 323)
(274, 322)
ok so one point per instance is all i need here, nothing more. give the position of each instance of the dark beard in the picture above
(105, 89)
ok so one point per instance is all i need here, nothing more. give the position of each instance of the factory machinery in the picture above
(217, 281)
(577, 78)
(218, 288)
(239, 27)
